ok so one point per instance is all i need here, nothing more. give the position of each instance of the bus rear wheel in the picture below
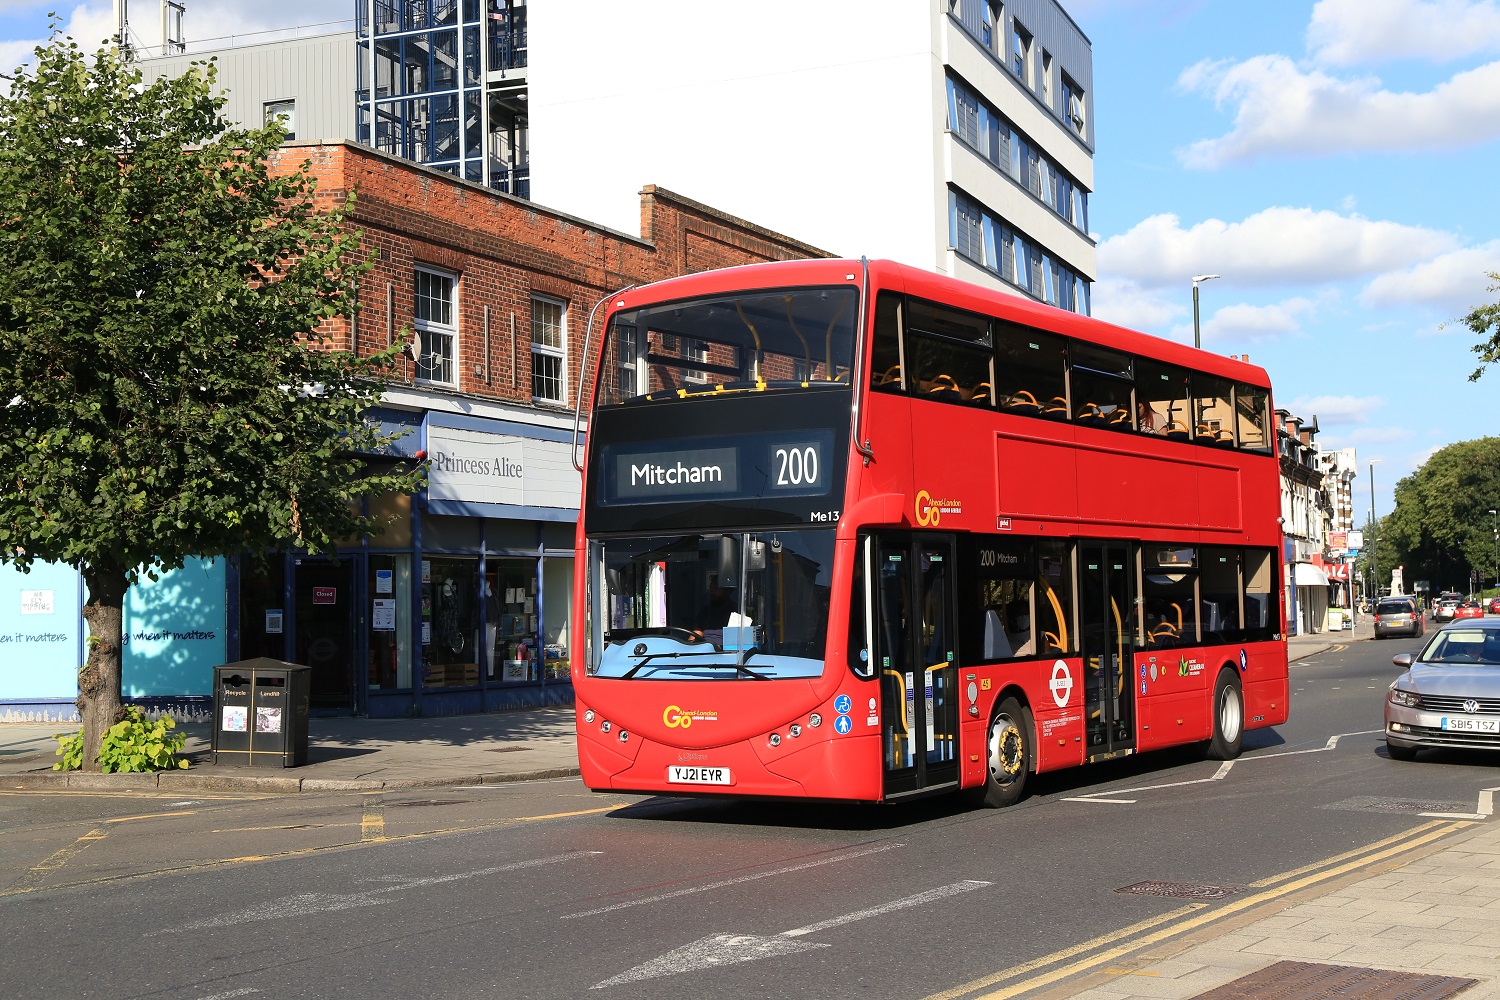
(1008, 751)
(1229, 718)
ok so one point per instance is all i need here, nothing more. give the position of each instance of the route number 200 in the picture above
(796, 466)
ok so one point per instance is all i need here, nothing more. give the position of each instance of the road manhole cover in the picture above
(429, 802)
(1313, 981)
(1181, 890)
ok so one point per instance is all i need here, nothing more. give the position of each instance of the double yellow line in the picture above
(1095, 954)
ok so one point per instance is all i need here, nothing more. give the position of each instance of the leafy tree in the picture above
(1441, 526)
(1485, 321)
(165, 388)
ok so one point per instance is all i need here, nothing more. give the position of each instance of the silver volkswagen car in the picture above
(1449, 693)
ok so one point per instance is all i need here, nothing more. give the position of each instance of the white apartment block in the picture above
(952, 135)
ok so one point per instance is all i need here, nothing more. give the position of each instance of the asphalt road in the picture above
(546, 890)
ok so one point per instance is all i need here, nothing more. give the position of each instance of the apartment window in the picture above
(435, 325)
(549, 341)
(284, 112)
(1045, 89)
(1074, 110)
(1020, 52)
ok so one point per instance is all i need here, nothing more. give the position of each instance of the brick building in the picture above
(462, 604)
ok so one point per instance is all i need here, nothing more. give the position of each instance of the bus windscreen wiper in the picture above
(648, 657)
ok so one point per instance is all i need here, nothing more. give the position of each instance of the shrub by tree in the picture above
(165, 389)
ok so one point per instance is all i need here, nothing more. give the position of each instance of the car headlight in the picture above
(1408, 698)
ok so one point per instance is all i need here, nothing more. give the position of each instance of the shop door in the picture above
(918, 663)
(1107, 615)
(326, 629)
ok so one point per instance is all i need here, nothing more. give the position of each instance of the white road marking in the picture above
(1485, 811)
(730, 949)
(1219, 775)
(1333, 741)
(324, 902)
(1085, 798)
(232, 993)
(847, 856)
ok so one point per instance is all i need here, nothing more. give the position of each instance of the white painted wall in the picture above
(826, 135)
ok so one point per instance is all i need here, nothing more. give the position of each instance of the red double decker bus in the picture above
(851, 530)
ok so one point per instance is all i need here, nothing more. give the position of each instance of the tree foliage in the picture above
(165, 391)
(1485, 322)
(1441, 526)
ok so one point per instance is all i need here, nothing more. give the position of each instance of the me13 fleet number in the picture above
(698, 775)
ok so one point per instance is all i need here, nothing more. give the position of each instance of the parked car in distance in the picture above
(1494, 606)
(1468, 609)
(1449, 693)
(1398, 616)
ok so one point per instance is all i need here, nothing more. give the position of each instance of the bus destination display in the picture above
(771, 464)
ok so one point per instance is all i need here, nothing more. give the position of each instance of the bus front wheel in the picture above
(1229, 718)
(1008, 752)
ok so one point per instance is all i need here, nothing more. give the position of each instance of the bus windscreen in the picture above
(759, 340)
(712, 606)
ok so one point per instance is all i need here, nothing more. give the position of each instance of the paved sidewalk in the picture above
(343, 754)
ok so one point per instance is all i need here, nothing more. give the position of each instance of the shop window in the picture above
(262, 606)
(557, 613)
(435, 325)
(548, 350)
(389, 587)
(450, 622)
(512, 652)
(391, 513)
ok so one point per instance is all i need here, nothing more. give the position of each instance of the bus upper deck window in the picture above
(1252, 416)
(885, 352)
(1030, 371)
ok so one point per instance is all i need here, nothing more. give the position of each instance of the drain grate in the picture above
(1376, 803)
(1181, 890)
(1314, 981)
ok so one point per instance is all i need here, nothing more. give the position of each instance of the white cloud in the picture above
(1278, 245)
(1350, 32)
(1282, 110)
(1454, 282)
(1125, 303)
(1335, 411)
(1244, 324)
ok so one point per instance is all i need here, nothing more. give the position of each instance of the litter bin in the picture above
(260, 713)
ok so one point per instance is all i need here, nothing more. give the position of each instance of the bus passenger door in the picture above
(1106, 576)
(917, 656)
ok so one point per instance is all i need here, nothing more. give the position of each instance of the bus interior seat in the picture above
(1022, 401)
(1056, 407)
(891, 374)
(1204, 434)
(1090, 414)
(1120, 416)
(1175, 430)
(996, 641)
(1224, 439)
(981, 391)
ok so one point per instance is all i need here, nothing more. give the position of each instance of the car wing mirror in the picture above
(1403, 660)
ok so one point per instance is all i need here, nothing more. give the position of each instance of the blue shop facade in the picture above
(462, 604)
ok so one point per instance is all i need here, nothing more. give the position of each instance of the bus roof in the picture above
(960, 294)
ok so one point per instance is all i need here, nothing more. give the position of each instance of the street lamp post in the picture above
(1197, 338)
(1374, 541)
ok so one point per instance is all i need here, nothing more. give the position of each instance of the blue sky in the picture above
(1332, 159)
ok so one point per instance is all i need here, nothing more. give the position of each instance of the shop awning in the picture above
(1308, 575)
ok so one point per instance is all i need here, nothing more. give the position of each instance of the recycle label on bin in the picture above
(235, 719)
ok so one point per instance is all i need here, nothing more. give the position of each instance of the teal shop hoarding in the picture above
(41, 635)
(174, 632)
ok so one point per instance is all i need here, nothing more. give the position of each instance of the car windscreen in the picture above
(1463, 645)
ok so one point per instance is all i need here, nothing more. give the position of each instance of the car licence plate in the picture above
(1471, 725)
(679, 775)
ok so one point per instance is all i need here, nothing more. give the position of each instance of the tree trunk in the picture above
(99, 680)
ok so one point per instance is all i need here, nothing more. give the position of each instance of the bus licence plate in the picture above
(1471, 725)
(680, 775)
